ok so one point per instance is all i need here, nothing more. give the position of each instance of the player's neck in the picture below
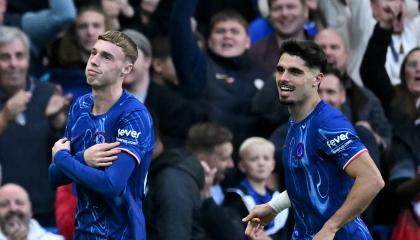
(300, 111)
(104, 100)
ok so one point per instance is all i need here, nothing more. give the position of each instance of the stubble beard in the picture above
(285, 101)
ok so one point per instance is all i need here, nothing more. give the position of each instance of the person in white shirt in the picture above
(16, 220)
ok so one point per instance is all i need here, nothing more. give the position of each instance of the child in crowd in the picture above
(257, 163)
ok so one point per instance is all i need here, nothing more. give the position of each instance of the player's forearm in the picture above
(56, 177)
(109, 182)
(361, 195)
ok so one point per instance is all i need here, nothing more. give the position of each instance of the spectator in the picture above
(377, 78)
(206, 9)
(405, 33)
(261, 27)
(257, 163)
(355, 21)
(73, 49)
(114, 8)
(31, 114)
(16, 220)
(224, 78)
(41, 27)
(69, 54)
(163, 68)
(172, 113)
(178, 204)
(149, 17)
(402, 105)
(148, 7)
(287, 17)
(3, 7)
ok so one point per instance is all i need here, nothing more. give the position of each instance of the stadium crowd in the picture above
(206, 73)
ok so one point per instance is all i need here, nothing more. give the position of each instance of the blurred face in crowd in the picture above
(334, 48)
(149, 6)
(257, 161)
(228, 39)
(3, 7)
(296, 83)
(412, 73)
(15, 208)
(140, 69)
(165, 68)
(331, 90)
(111, 7)
(14, 64)
(89, 25)
(220, 159)
(288, 17)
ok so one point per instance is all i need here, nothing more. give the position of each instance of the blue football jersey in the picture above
(129, 122)
(316, 152)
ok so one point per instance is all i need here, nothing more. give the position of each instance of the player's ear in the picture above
(318, 78)
(127, 69)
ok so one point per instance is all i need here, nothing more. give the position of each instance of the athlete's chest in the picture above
(300, 146)
(87, 130)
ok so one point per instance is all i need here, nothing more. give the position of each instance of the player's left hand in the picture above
(101, 155)
(61, 144)
(324, 234)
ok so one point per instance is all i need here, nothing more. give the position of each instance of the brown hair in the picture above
(403, 99)
(123, 41)
(204, 137)
(67, 51)
(303, 2)
(228, 15)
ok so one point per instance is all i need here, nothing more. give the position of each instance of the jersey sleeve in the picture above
(338, 140)
(135, 134)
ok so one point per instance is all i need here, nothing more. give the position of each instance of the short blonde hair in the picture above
(123, 41)
(254, 140)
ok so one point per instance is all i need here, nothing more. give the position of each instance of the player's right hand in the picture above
(101, 155)
(61, 144)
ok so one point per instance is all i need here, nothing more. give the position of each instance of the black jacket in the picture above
(173, 204)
